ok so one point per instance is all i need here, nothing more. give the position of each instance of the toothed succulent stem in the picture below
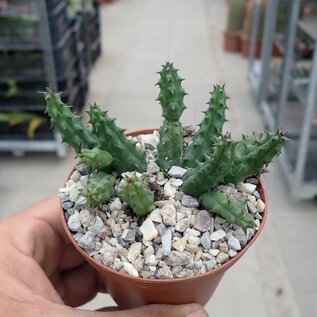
(170, 146)
(96, 158)
(171, 98)
(69, 125)
(206, 176)
(210, 129)
(99, 189)
(126, 157)
(253, 153)
(135, 192)
(231, 210)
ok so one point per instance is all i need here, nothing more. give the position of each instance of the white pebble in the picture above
(246, 188)
(148, 230)
(130, 269)
(260, 206)
(217, 235)
(116, 205)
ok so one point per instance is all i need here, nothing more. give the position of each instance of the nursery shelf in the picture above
(286, 101)
(309, 26)
(59, 53)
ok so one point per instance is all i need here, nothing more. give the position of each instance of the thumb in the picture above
(189, 310)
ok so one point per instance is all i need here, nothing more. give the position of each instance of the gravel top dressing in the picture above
(179, 238)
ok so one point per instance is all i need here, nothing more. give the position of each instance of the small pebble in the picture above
(130, 269)
(177, 172)
(189, 201)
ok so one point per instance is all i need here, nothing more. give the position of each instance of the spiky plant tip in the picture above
(136, 194)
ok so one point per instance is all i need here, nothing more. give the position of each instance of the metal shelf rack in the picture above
(64, 63)
(299, 158)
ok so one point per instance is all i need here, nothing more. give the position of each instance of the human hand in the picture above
(42, 274)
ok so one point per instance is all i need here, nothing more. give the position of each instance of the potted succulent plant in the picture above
(163, 214)
(232, 34)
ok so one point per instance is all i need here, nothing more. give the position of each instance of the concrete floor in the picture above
(277, 277)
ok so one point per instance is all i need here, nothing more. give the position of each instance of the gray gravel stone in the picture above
(169, 190)
(214, 252)
(193, 240)
(182, 225)
(109, 254)
(116, 205)
(176, 258)
(217, 235)
(234, 243)
(251, 207)
(87, 218)
(80, 202)
(168, 213)
(210, 264)
(192, 232)
(65, 197)
(202, 222)
(205, 241)
(232, 253)
(97, 227)
(83, 169)
(117, 264)
(190, 202)
(240, 235)
(177, 171)
(161, 228)
(156, 216)
(77, 236)
(164, 273)
(128, 235)
(75, 176)
(166, 242)
(152, 167)
(87, 242)
(67, 205)
(74, 223)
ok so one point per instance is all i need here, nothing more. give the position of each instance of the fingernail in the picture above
(197, 313)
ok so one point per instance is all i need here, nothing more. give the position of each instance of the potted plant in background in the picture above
(247, 26)
(232, 41)
(162, 215)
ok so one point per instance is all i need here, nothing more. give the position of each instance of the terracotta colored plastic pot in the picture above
(131, 292)
(246, 45)
(232, 41)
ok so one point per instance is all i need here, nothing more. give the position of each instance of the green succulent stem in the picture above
(135, 192)
(170, 146)
(253, 153)
(126, 157)
(206, 176)
(99, 189)
(231, 210)
(210, 129)
(69, 125)
(171, 98)
(96, 158)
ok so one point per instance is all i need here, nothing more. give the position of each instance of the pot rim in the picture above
(219, 270)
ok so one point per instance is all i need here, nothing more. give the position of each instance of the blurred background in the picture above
(108, 52)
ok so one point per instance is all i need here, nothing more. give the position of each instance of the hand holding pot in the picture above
(41, 273)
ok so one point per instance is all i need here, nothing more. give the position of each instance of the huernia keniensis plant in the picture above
(211, 159)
